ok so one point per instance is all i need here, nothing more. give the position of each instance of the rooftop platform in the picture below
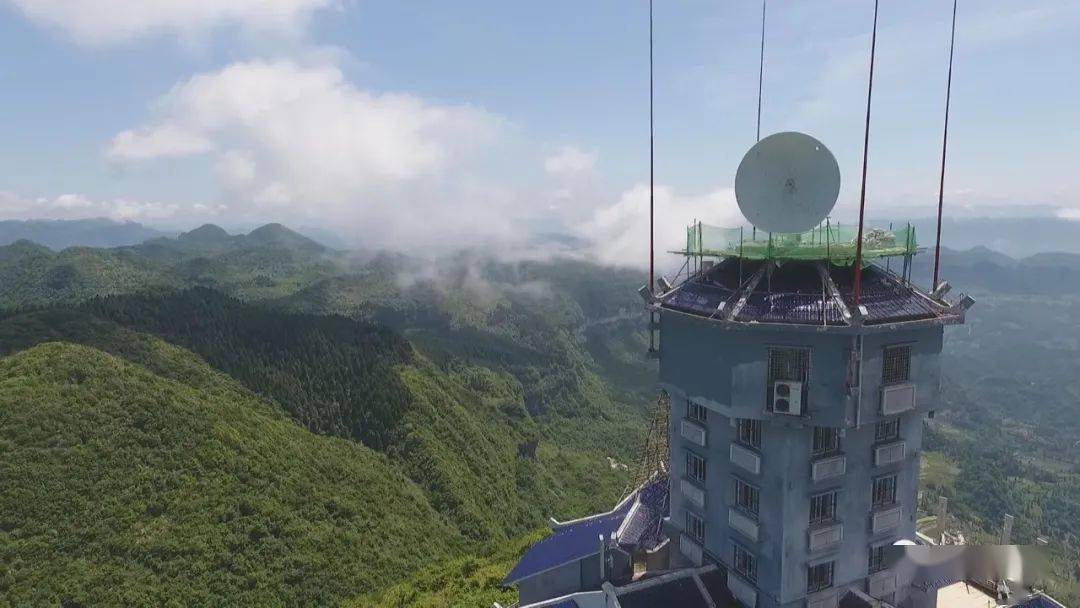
(812, 293)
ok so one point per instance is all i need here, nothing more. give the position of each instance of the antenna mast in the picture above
(761, 70)
(652, 251)
(866, 152)
(944, 148)
(652, 187)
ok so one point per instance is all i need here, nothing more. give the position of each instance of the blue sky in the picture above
(458, 122)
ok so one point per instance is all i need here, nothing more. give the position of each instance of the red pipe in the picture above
(944, 148)
(866, 152)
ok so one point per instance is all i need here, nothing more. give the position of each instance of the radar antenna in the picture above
(787, 182)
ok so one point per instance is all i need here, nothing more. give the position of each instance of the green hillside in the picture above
(454, 429)
(269, 262)
(127, 487)
(438, 372)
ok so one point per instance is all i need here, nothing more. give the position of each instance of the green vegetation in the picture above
(455, 431)
(466, 582)
(125, 487)
(938, 473)
(261, 419)
(440, 378)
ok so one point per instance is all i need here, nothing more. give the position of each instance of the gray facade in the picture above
(762, 478)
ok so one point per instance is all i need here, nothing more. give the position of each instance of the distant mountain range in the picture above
(1014, 236)
(61, 234)
(981, 269)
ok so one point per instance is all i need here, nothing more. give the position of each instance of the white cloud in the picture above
(301, 143)
(163, 142)
(72, 201)
(111, 22)
(620, 232)
(1069, 214)
(322, 135)
(569, 160)
(79, 206)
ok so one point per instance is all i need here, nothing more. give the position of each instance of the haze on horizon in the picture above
(397, 124)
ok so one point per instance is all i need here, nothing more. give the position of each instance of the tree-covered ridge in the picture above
(270, 261)
(124, 487)
(447, 366)
(332, 374)
(454, 429)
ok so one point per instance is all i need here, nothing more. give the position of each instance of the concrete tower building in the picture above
(796, 420)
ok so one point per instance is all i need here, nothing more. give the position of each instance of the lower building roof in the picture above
(634, 523)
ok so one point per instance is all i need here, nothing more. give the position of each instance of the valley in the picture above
(329, 427)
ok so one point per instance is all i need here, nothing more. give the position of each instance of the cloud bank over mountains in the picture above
(294, 135)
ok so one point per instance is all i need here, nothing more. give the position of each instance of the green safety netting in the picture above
(827, 242)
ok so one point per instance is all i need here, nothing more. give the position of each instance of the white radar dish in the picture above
(788, 182)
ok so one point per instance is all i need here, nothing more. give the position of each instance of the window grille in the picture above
(826, 441)
(745, 563)
(884, 492)
(823, 508)
(887, 430)
(695, 526)
(696, 412)
(896, 365)
(819, 577)
(695, 467)
(787, 363)
(747, 497)
(749, 433)
(877, 559)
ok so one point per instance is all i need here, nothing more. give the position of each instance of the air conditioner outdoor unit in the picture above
(787, 397)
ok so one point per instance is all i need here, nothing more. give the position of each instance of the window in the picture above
(696, 412)
(695, 527)
(896, 365)
(787, 364)
(819, 577)
(745, 563)
(749, 433)
(877, 559)
(823, 508)
(747, 497)
(887, 430)
(695, 467)
(826, 441)
(884, 491)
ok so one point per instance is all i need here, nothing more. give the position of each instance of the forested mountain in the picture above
(167, 483)
(439, 375)
(268, 262)
(448, 374)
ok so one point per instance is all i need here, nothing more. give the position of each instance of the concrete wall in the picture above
(580, 575)
(724, 369)
(563, 580)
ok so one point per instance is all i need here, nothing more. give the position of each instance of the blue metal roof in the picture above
(643, 528)
(567, 603)
(569, 543)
